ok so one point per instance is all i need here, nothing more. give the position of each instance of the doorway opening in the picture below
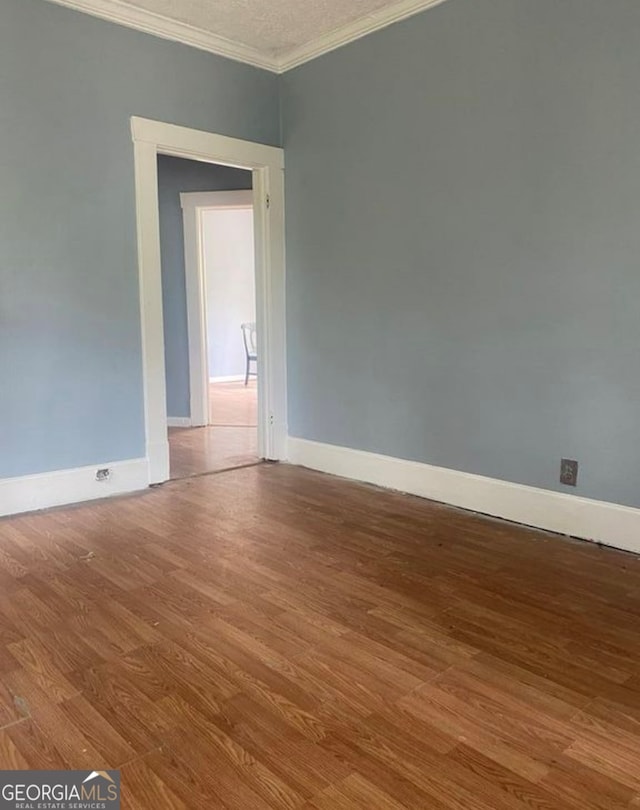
(264, 165)
(212, 384)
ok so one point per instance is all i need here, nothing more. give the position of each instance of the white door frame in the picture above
(151, 138)
(193, 205)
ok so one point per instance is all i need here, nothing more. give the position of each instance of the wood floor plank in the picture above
(104, 738)
(286, 751)
(575, 783)
(214, 738)
(34, 746)
(36, 659)
(10, 755)
(272, 639)
(68, 740)
(143, 788)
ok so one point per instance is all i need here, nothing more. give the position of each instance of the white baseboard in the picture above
(30, 492)
(231, 378)
(599, 521)
(179, 421)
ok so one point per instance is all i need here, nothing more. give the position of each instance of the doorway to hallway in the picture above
(152, 139)
(212, 402)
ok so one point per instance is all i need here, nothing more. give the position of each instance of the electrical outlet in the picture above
(569, 472)
(104, 474)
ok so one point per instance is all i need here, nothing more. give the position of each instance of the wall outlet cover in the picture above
(569, 472)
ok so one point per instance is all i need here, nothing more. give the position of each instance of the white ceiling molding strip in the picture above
(355, 30)
(161, 26)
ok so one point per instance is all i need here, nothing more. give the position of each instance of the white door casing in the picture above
(151, 138)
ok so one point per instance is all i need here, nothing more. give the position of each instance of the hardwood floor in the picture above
(274, 638)
(194, 451)
(234, 404)
(230, 441)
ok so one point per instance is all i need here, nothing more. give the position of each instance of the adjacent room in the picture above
(208, 275)
(318, 462)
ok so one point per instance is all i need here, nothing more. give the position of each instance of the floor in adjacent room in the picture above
(272, 637)
(230, 440)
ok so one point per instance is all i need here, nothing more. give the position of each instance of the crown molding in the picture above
(151, 23)
(166, 28)
(355, 30)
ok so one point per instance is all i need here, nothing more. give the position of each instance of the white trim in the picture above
(179, 421)
(30, 492)
(230, 378)
(170, 139)
(238, 198)
(167, 28)
(353, 31)
(193, 204)
(266, 162)
(599, 521)
(150, 283)
(196, 314)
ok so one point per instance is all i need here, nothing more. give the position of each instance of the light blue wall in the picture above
(70, 361)
(463, 242)
(175, 176)
(463, 200)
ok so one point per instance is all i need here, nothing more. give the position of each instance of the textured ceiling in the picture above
(270, 26)
(272, 34)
